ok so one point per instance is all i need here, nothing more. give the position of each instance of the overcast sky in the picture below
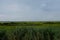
(29, 10)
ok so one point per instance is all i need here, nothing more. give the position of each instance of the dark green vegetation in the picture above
(30, 31)
(28, 23)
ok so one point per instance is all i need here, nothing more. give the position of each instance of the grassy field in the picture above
(30, 31)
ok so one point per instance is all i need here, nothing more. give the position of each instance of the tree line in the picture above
(26, 23)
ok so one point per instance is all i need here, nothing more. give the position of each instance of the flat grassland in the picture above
(29, 30)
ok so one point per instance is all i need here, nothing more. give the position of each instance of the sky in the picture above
(29, 10)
